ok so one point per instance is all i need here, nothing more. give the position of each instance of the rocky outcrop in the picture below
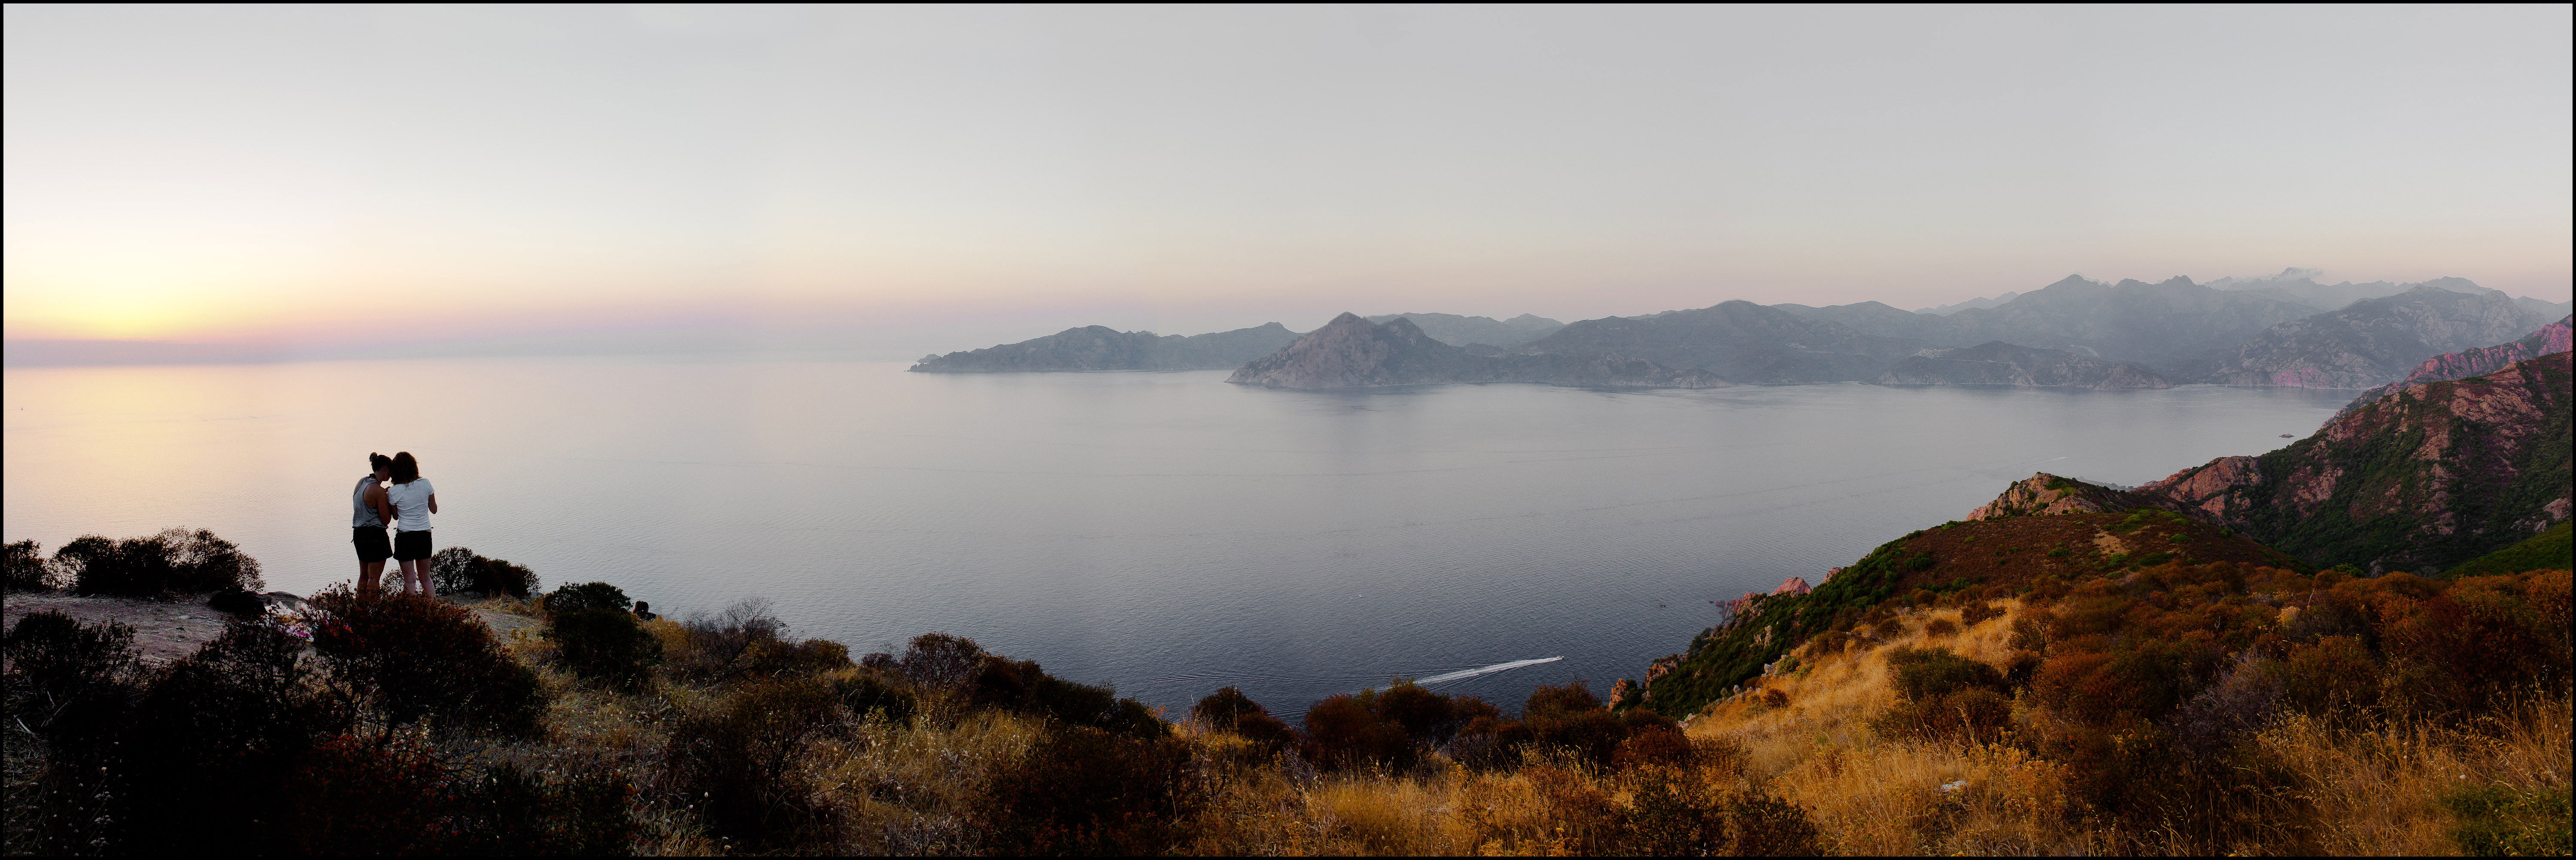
(1793, 585)
(2553, 337)
(1105, 348)
(1456, 330)
(1351, 352)
(2043, 494)
(2369, 343)
(2432, 475)
(2000, 363)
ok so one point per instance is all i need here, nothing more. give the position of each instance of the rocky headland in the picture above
(2000, 363)
(1104, 348)
(2553, 337)
(1351, 352)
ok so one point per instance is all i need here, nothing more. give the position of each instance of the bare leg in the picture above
(415, 575)
(368, 574)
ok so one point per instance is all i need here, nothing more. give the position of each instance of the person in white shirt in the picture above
(413, 500)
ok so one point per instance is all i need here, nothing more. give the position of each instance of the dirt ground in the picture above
(168, 630)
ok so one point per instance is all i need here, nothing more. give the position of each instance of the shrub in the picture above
(456, 570)
(510, 812)
(1087, 791)
(588, 595)
(1940, 628)
(940, 661)
(1346, 733)
(1222, 709)
(741, 764)
(352, 795)
(23, 568)
(176, 561)
(415, 657)
(605, 645)
(55, 662)
(1766, 826)
(1978, 612)
(1653, 745)
(1568, 715)
(868, 693)
(211, 744)
(1424, 715)
(747, 640)
(1019, 685)
(1926, 673)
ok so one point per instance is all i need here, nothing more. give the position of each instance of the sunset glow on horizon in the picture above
(332, 174)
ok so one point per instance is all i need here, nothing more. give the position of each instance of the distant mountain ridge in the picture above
(1105, 348)
(1978, 302)
(1351, 352)
(1456, 330)
(1739, 341)
(2369, 343)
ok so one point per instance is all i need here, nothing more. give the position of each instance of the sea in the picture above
(1167, 534)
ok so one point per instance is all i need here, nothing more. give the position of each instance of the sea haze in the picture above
(1165, 532)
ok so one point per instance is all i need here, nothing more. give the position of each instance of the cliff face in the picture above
(2430, 476)
(2553, 337)
(2000, 363)
(1104, 348)
(1351, 352)
(2370, 343)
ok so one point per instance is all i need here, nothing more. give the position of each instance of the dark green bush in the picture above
(1222, 709)
(738, 764)
(414, 657)
(23, 569)
(1569, 715)
(940, 661)
(1344, 732)
(456, 570)
(588, 595)
(1085, 791)
(176, 561)
(351, 795)
(1923, 673)
(605, 645)
(870, 693)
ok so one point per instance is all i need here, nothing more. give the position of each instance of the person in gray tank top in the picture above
(370, 511)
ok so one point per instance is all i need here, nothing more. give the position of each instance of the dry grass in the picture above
(2377, 791)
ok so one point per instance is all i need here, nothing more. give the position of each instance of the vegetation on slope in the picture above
(2548, 550)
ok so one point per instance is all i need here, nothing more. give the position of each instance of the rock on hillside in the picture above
(2370, 343)
(1351, 352)
(2430, 476)
(1104, 348)
(1456, 330)
(2043, 494)
(2553, 337)
(2000, 363)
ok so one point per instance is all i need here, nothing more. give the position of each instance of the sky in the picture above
(900, 180)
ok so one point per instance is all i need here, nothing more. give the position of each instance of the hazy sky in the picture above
(302, 174)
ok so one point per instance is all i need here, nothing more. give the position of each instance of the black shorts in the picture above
(411, 546)
(371, 543)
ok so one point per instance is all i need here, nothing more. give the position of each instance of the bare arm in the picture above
(383, 504)
(433, 503)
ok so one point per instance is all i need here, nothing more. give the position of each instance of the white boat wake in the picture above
(1465, 674)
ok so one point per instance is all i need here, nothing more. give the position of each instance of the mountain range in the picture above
(2284, 330)
(1352, 352)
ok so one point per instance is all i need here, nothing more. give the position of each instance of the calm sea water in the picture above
(1164, 532)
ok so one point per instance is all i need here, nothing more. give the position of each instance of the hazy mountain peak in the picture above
(1456, 330)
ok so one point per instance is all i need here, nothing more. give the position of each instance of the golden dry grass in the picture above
(2377, 791)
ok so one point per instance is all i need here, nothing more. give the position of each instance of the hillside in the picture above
(2554, 337)
(1104, 348)
(2428, 477)
(2369, 343)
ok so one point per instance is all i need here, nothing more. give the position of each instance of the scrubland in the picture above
(2179, 707)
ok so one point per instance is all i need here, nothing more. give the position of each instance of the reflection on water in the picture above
(1163, 531)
